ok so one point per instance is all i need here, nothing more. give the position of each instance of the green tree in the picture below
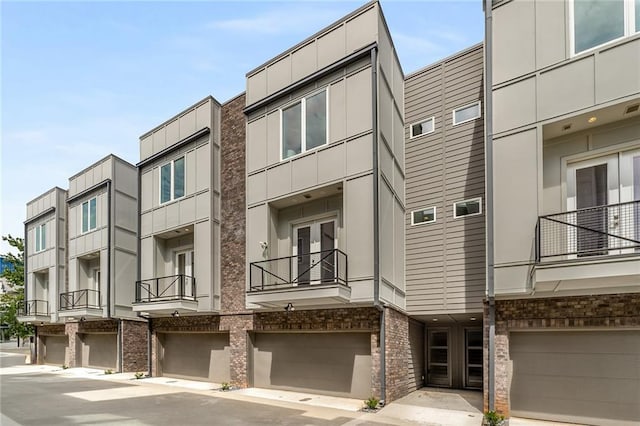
(10, 302)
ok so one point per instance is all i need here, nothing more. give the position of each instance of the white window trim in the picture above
(629, 28)
(433, 127)
(172, 197)
(478, 199)
(303, 124)
(453, 113)
(40, 245)
(435, 216)
(89, 228)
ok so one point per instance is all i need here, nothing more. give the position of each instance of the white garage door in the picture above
(199, 356)
(588, 377)
(336, 364)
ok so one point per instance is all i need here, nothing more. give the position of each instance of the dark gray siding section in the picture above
(445, 260)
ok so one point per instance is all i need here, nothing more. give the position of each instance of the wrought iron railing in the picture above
(80, 299)
(594, 231)
(323, 267)
(173, 287)
(33, 308)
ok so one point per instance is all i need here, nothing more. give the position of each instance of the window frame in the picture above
(453, 113)
(40, 238)
(433, 127)
(303, 123)
(628, 30)
(478, 199)
(435, 216)
(89, 228)
(172, 175)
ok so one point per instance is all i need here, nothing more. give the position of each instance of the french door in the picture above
(314, 259)
(184, 266)
(438, 359)
(594, 184)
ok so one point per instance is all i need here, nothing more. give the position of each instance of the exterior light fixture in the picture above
(175, 314)
(592, 119)
(289, 307)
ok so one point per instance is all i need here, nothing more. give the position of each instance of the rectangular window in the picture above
(466, 113)
(596, 22)
(422, 128)
(304, 125)
(467, 208)
(427, 215)
(89, 215)
(172, 178)
(41, 237)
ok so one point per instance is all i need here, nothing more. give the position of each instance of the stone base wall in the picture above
(134, 346)
(397, 353)
(561, 313)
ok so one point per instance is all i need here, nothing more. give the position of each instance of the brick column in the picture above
(375, 364)
(72, 355)
(134, 346)
(396, 354)
(238, 326)
(39, 348)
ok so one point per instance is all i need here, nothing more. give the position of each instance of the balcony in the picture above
(81, 303)
(307, 280)
(589, 248)
(166, 295)
(34, 311)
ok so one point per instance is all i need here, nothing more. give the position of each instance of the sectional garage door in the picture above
(54, 349)
(198, 356)
(588, 377)
(336, 364)
(100, 351)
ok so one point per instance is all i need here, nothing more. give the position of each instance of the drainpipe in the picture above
(24, 261)
(139, 268)
(376, 224)
(488, 129)
(110, 251)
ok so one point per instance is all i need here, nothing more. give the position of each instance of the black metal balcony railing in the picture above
(173, 287)
(323, 267)
(33, 308)
(594, 231)
(79, 299)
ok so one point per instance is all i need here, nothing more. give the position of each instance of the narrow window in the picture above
(89, 215)
(467, 208)
(466, 113)
(304, 125)
(427, 215)
(172, 180)
(422, 128)
(41, 237)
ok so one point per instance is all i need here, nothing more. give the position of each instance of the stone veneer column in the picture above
(238, 326)
(396, 354)
(73, 343)
(134, 346)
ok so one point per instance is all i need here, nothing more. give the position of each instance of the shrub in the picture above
(64, 366)
(108, 371)
(492, 418)
(225, 386)
(372, 403)
(139, 375)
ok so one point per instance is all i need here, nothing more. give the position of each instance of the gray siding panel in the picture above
(445, 261)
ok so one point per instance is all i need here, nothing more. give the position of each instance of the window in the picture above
(422, 128)
(467, 208)
(596, 22)
(172, 180)
(466, 113)
(427, 215)
(304, 125)
(89, 215)
(41, 237)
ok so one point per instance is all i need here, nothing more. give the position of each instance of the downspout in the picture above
(24, 261)
(488, 128)
(139, 268)
(110, 251)
(376, 223)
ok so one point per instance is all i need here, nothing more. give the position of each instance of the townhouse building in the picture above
(445, 223)
(564, 138)
(325, 213)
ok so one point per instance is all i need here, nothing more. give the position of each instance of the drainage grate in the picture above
(304, 399)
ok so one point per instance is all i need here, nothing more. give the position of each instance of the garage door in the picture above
(54, 349)
(580, 377)
(199, 356)
(100, 351)
(336, 364)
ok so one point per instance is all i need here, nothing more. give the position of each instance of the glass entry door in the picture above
(184, 266)
(438, 371)
(313, 251)
(473, 357)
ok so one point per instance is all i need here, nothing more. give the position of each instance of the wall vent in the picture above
(632, 108)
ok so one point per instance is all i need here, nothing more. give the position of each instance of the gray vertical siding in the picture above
(445, 260)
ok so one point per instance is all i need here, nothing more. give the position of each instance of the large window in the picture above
(304, 125)
(89, 215)
(596, 22)
(172, 180)
(41, 237)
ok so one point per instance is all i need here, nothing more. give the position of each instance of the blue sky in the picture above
(81, 80)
